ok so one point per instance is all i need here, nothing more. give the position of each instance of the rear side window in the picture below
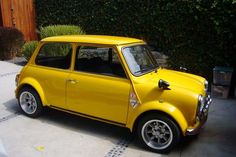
(99, 60)
(56, 55)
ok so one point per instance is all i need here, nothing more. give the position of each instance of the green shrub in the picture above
(55, 30)
(28, 49)
(197, 34)
(11, 40)
(56, 49)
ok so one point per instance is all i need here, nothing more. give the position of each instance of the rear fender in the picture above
(34, 84)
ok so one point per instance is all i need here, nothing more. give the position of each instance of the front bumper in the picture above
(201, 119)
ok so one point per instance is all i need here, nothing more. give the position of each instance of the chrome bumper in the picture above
(201, 119)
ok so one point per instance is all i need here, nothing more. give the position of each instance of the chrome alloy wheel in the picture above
(157, 134)
(28, 102)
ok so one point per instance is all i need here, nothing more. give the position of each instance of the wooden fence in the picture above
(21, 15)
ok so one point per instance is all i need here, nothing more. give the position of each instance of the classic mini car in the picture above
(114, 80)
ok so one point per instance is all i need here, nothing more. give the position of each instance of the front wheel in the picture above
(158, 133)
(29, 102)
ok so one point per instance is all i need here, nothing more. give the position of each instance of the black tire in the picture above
(37, 111)
(157, 121)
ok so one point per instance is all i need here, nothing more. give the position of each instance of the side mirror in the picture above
(163, 85)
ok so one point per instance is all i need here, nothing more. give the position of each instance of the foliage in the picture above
(11, 39)
(28, 49)
(196, 34)
(54, 30)
(56, 49)
(48, 31)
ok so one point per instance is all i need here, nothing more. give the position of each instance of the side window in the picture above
(56, 55)
(99, 60)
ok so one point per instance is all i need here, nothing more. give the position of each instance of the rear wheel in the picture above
(29, 102)
(158, 133)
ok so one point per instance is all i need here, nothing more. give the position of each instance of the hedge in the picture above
(54, 30)
(11, 40)
(28, 49)
(196, 34)
(48, 31)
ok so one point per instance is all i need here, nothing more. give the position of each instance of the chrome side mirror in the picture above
(163, 85)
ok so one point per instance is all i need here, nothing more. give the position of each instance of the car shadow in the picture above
(75, 123)
(92, 127)
(215, 130)
(183, 145)
(12, 106)
(85, 125)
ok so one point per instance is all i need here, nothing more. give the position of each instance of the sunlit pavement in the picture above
(60, 134)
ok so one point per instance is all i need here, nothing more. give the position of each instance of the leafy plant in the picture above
(55, 30)
(56, 49)
(196, 34)
(28, 49)
(11, 40)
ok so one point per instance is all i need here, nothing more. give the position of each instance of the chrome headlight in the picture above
(206, 85)
(201, 102)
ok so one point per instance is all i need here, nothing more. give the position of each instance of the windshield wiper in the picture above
(143, 70)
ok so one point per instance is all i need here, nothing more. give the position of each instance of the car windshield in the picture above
(139, 59)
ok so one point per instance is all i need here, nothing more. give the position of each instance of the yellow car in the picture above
(114, 80)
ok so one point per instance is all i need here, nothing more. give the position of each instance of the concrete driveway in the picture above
(60, 134)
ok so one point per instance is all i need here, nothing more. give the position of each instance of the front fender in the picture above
(164, 107)
(32, 82)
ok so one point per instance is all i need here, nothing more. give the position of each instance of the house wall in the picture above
(1, 24)
(21, 15)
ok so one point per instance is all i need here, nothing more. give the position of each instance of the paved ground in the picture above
(60, 134)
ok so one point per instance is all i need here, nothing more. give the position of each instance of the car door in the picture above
(96, 87)
(51, 70)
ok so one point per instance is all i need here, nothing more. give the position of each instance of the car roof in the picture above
(94, 39)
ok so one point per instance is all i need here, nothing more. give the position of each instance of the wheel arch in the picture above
(30, 82)
(173, 113)
(153, 112)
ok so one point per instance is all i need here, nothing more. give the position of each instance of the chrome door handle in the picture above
(72, 81)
